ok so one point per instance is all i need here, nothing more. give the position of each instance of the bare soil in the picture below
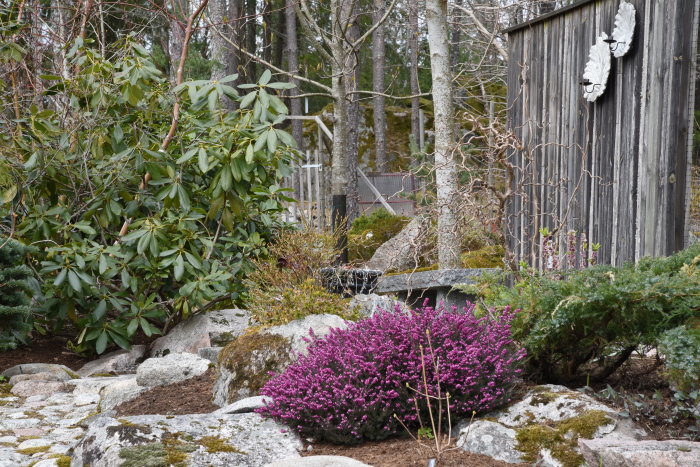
(43, 349)
(403, 453)
(187, 397)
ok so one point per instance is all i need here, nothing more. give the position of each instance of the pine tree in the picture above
(15, 292)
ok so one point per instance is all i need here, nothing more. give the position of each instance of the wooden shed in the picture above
(616, 169)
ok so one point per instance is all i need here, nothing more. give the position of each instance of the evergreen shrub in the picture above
(681, 350)
(580, 327)
(351, 383)
(15, 293)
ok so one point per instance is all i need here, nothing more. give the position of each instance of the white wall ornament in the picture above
(624, 29)
(595, 75)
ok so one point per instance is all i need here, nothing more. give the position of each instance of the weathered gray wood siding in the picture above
(615, 169)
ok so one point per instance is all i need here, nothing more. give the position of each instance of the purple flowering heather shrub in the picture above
(351, 382)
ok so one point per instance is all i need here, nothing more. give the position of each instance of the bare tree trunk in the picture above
(267, 30)
(250, 30)
(217, 44)
(378, 102)
(61, 63)
(339, 177)
(456, 37)
(233, 60)
(293, 67)
(355, 119)
(445, 167)
(278, 35)
(177, 35)
(415, 88)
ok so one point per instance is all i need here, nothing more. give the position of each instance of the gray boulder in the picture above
(245, 440)
(369, 304)
(120, 391)
(212, 329)
(61, 372)
(620, 453)
(172, 368)
(318, 461)
(245, 364)
(402, 252)
(119, 361)
(547, 416)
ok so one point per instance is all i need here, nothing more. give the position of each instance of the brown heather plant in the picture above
(286, 285)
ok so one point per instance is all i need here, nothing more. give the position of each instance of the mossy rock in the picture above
(245, 365)
(487, 257)
(561, 440)
(369, 232)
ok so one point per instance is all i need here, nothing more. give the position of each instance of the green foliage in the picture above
(681, 349)
(15, 294)
(582, 327)
(286, 285)
(369, 232)
(198, 210)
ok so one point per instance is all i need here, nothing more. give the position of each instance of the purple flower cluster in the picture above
(351, 382)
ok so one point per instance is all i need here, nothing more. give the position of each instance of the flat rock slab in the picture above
(245, 440)
(429, 280)
(62, 372)
(247, 405)
(170, 369)
(118, 361)
(319, 461)
(617, 453)
(212, 329)
(491, 439)
(36, 388)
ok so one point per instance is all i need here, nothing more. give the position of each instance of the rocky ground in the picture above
(192, 403)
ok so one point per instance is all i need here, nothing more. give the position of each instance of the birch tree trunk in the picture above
(293, 67)
(445, 167)
(339, 176)
(378, 102)
(415, 88)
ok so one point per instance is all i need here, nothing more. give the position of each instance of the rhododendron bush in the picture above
(350, 383)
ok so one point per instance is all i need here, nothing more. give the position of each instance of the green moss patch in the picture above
(216, 444)
(561, 439)
(61, 460)
(487, 257)
(169, 451)
(34, 450)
